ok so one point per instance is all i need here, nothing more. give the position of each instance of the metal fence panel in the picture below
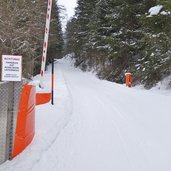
(9, 101)
(3, 120)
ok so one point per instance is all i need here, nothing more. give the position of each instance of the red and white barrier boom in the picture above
(45, 44)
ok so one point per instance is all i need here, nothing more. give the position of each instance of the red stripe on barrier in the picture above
(41, 73)
(43, 59)
(48, 16)
(44, 44)
(46, 35)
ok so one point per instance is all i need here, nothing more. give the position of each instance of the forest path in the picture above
(96, 125)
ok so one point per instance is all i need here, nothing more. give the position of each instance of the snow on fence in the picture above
(9, 100)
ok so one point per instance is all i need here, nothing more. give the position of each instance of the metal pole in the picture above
(10, 121)
(52, 100)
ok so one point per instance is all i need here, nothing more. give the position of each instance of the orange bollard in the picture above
(25, 128)
(128, 79)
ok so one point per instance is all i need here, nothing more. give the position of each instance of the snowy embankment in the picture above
(157, 10)
(97, 125)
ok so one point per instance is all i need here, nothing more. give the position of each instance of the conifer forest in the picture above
(117, 36)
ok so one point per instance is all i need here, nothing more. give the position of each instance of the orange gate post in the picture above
(25, 128)
(128, 79)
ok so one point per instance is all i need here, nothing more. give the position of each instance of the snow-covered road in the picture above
(97, 125)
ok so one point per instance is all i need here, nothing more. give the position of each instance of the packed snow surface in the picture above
(97, 125)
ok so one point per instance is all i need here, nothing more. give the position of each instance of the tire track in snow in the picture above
(113, 114)
(118, 119)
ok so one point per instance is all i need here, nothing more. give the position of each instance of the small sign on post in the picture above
(11, 68)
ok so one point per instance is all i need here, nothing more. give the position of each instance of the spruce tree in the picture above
(81, 33)
(116, 36)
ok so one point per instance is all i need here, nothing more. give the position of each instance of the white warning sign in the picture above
(11, 68)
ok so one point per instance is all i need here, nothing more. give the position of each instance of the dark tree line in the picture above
(116, 36)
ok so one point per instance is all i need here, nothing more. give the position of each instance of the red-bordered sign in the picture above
(11, 68)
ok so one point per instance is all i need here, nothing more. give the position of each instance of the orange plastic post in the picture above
(128, 79)
(25, 128)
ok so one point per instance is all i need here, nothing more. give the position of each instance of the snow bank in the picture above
(155, 10)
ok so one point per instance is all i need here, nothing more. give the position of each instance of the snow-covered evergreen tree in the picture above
(116, 36)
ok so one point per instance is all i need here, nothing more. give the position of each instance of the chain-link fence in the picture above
(9, 101)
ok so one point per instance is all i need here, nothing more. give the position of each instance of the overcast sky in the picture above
(69, 5)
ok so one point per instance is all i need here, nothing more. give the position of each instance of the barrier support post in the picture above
(52, 96)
